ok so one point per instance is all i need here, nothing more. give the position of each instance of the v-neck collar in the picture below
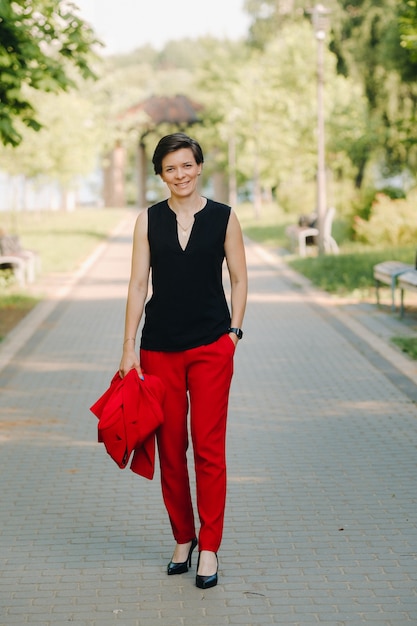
(176, 225)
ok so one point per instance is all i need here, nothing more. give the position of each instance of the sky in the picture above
(124, 25)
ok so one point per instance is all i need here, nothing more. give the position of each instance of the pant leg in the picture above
(172, 439)
(210, 372)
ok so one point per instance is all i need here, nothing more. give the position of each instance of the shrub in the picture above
(362, 204)
(7, 278)
(392, 222)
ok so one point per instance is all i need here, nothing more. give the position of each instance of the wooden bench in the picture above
(299, 235)
(407, 282)
(387, 273)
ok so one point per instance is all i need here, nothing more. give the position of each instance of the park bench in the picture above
(301, 236)
(388, 273)
(23, 263)
(407, 282)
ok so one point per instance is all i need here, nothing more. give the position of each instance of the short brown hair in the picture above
(172, 143)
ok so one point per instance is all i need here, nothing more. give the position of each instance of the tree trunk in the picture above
(114, 178)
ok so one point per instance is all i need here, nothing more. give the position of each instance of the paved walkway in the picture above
(321, 524)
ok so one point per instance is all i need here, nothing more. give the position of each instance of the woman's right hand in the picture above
(129, 362)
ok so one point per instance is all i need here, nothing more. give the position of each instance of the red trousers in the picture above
(197, 379)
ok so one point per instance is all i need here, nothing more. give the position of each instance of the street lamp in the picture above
(320, 22)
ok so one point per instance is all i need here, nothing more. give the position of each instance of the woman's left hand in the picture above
(234, 338)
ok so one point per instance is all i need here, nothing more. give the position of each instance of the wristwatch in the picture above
(238, 332)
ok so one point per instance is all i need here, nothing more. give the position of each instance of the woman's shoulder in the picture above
(159, 211)
(219, 207)
(159, 206)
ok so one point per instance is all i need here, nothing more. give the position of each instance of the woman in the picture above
(188, 340)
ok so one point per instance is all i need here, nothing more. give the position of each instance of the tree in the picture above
(65, 148)
(408, 26)
(367, 41)
(41, 42)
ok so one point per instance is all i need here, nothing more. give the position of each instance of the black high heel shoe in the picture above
(181, 568)
(205, 582)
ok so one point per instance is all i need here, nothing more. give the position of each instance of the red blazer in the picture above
(129, 413)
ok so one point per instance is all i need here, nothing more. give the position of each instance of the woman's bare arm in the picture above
(137, 292)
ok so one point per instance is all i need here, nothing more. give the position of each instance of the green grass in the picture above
(63, 240)
(408, 345)
(13, 308)
(350, 272)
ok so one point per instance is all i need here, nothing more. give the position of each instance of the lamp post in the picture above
(320, 22)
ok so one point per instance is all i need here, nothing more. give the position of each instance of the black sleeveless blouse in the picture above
(188, 307)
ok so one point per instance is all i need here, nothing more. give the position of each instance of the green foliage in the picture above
(7, 278)
(65, 147)
(265, 103)
(395, 193)
(362, 201)
(351, 135)
(40, 40)
(408, 27)
(367, 42)
(371, 41)
(391, 221)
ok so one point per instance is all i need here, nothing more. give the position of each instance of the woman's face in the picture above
(180, 172)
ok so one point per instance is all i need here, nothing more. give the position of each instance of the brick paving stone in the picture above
(321, 513)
